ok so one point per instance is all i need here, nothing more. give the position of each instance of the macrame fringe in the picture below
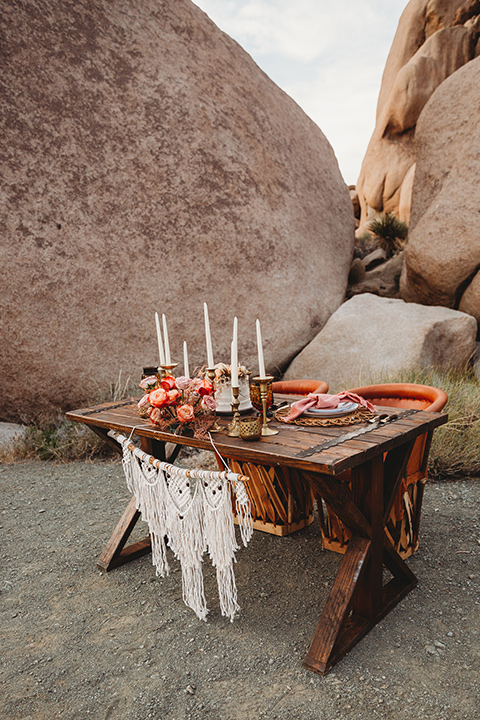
(193, 510)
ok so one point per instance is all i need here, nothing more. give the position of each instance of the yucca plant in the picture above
(390, 232)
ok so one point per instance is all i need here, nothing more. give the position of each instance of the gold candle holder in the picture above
(234, 426)
(211, 376)
(263, 383)
(165, 370)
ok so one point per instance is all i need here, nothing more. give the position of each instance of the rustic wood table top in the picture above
(275, 449)
(358, 479)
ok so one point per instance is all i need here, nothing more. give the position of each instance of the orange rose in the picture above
(173, 396)
(158, 397)
(168, 383)
(206, 388)
(185, 413)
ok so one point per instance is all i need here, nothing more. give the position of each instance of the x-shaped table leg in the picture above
(358, 599)
(116, 552)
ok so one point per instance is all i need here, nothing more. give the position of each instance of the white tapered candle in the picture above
(261, 361)
(234, 360)
(234, 365)
(208, 337)
(159, 340)
(186, 370)
(168, 359)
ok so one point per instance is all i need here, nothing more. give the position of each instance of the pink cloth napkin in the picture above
(322, 400)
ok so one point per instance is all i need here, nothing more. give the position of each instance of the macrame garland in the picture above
(193, 510)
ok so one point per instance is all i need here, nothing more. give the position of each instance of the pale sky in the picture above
(328, 55)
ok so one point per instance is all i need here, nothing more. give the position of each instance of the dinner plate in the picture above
(344, 408)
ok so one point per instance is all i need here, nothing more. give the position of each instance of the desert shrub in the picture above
(55, 438)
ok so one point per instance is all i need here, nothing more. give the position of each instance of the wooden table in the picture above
(374, 464)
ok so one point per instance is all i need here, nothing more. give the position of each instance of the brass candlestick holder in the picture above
(263, 383)
(211, 376)
(234, 426)
(165, 370)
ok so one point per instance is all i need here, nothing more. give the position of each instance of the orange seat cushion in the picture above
(299, 387)
(407, 395)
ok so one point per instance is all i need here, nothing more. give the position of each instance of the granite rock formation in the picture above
(434, 38)
(442, 259)
(376, 335)
(149, 164)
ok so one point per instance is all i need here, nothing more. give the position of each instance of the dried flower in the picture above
(223, 373)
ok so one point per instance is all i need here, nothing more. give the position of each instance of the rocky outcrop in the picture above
(149, 164)
(442, 258)
(369, 337)
(381, 279)
(434, 38)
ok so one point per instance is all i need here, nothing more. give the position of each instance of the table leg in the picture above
(115, 553)
(358, 599)
(337, 631)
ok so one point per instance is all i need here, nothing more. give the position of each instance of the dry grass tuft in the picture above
(57, 439)
(455, 451)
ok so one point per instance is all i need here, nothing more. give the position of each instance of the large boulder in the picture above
(434, 38)
(443, 253)
(149, 164)
(369, 337)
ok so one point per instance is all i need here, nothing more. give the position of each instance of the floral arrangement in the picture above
(180, 404)
(223, 373)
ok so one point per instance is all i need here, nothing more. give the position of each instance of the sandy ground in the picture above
(77, 643)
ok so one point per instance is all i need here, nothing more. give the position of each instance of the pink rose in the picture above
(183, 382)
(148, 382)
(155, 414)
(144, 402)
(196, 383)
(185, 413)
(209, 403)
(158, 397)
(168, 382)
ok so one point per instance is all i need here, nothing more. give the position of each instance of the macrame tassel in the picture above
(149, 489)
(227, 591)
(243, 509)
(192, 590)
(184, 514)
(221, 541)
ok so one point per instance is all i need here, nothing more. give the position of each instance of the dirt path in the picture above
(76, 643)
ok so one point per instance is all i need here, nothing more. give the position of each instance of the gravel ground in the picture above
(77, 643)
